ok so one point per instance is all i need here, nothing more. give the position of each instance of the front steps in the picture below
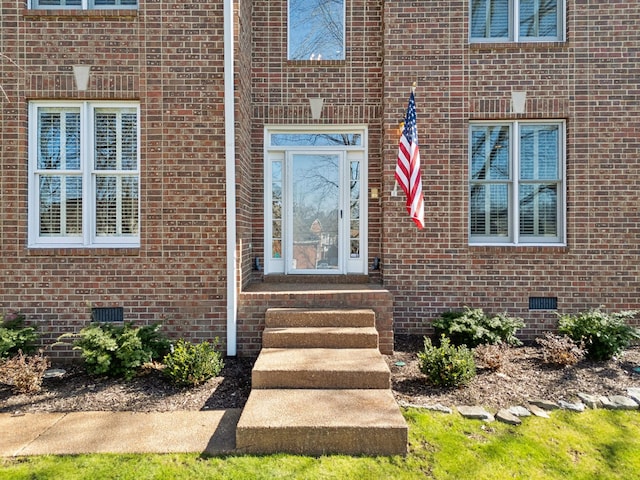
(321, 386)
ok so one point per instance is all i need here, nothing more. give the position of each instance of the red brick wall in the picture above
(168, 56)
(591, 82)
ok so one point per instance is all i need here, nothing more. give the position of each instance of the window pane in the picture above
(489, 210)
(60, 205)
(489, 18)
(106, 206)
(539, 152)
(58, 140)
(116, 205)
(129, 141)
(539, 210)
(105, 141)
(490, 153)
(58, 3)
(316, 29)
(130, 201)
(538, 18)
(315, 139)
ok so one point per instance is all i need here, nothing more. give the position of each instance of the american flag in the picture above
(408, 167)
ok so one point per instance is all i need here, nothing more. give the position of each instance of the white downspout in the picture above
(230, 160)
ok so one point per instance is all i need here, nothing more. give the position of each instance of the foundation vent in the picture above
(543, 303)
(107, 314)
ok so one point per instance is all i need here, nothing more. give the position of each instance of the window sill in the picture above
(504, 45)
(124, 13)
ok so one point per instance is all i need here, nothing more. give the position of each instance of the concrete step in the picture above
(320, 337)
(325, 317)
(347, 368)
(318, 422)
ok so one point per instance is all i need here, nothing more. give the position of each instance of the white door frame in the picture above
(277, 210)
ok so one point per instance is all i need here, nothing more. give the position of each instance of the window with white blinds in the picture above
(84, 174)
(84, 4)
(516, 183)
(516, 20)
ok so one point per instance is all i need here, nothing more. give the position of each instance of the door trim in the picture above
(327, 139)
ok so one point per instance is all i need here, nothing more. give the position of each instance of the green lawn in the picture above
(592, 445)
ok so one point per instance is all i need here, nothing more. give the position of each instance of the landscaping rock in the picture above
(634, 393)
(619, 402)
(505, 416)
(574, 407)
(538, 412)
(519, 411)
(438, 408)
(590, 401)
(478, 413)
(544, 404)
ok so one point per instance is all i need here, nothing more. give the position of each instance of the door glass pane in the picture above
(354, 203)
(276, 210)
(316, 211)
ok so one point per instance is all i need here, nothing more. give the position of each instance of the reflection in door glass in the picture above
(276, 210)
(315, 205)
(354, 187)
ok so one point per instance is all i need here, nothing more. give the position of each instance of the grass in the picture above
(597, 444)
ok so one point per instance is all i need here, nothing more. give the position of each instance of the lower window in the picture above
(84, 174)
(516, 182)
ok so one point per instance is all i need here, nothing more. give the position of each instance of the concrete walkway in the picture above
(208, 432)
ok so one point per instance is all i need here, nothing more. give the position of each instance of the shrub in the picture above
(119, 351)
(189, 364)
(14, 336)
(446, 365)
(560, 349)
(604, 334)
(24, 372)
(472, 327)
(493, 357)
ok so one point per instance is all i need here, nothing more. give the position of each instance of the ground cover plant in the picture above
(597, 444)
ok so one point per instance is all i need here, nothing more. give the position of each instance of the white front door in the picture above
(314, 203)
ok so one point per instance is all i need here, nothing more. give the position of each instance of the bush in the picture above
(119, 351)
(447, 365)
(24, 372)
(560, 349)
(14, 336)
(604, 334)
(493, 357)
(189, 364)
(472, 327)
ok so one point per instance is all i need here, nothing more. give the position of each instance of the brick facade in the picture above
(169, 57)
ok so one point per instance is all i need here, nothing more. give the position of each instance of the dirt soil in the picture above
(522, 376)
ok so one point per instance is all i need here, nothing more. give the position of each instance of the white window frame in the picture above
(84, 5)
(514, 26)
(88, 238)
(513, 237)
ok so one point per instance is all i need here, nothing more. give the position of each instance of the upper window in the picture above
(84, 178)
(517, 20)
(516, 183)
(316, 30)
(83, 4)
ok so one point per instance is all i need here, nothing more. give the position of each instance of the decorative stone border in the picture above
(541, 407)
